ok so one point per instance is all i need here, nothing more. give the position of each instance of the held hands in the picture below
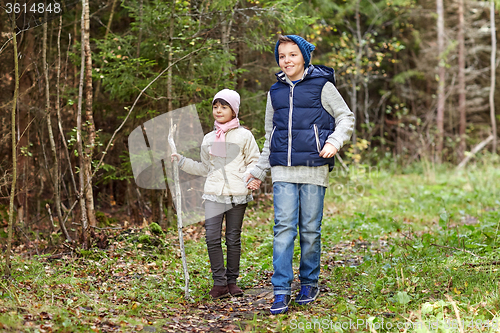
(328, 151)
(254, 184)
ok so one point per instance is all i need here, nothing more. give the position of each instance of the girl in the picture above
(227, 154)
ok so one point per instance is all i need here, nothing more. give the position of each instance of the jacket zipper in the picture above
(290, 127)
(289, 162)
(271, 138)
(317, 138)
(223, 169)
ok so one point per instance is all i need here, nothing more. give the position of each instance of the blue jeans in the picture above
(296, 205)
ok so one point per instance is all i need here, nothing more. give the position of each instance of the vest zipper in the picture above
(289, 163)
(317, 138)
(271, 138)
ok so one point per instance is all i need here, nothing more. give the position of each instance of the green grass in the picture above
(418, 232)
(414, 248)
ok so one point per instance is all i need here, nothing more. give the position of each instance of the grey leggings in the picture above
(213, 226)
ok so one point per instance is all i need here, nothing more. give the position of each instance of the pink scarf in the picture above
(219, 145)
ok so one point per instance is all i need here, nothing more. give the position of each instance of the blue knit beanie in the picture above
(305, 47)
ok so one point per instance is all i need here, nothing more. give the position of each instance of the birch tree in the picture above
(91, 132)
(461, 78)
(79, 140)
(441, 79)
(493, 72)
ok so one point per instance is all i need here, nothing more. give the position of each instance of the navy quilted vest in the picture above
(301, 125)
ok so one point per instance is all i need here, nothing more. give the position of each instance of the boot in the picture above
(234, 290)
(219, 292)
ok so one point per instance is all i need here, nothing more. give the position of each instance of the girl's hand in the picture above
(254, 184)
(328, 151)
(176, 156)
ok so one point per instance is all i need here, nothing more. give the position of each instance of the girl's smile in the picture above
(222, 113)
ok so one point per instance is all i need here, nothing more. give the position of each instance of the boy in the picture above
(307, 122)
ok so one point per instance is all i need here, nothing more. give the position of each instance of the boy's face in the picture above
(291, 60)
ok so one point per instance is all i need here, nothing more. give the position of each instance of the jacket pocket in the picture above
(316, 135)
(271, 137)
(236, 184)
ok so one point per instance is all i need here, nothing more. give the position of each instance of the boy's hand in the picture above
(176, 156)
(328, 151)
(254, 184)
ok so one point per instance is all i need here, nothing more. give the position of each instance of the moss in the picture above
(144, 239)
(156, 229)
(103, 220)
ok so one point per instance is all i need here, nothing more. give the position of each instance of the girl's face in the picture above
(291, 60)
(222, 113)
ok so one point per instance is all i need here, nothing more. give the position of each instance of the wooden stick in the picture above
(474, 151)
(458, 249)
(50, 215)
(178, 206)
(483, 263)
(342, 162)
(457, 313)
(98, 228)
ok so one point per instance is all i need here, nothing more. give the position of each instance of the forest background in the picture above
(420, 77)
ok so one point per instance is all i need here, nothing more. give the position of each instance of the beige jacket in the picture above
(225, 176)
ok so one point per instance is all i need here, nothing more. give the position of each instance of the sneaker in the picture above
(234, 290)
(280, 304)
(219, 292)
(307, 294)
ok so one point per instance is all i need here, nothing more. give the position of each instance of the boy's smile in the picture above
(291, 60)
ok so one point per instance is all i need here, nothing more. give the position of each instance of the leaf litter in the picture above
(92, 288)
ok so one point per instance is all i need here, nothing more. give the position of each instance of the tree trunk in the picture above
(108, 29)
(153, 194)
(141, 5)
(461, 78)
(134, 208)
(226, 27)
(79, 139)
(75, 30)
(354, 97)
(26, 58)
(58, 198)
(441, 95)
(14, 153)
(169, 201)
(493, 72)
(89, 146)
(58, 112)
(56, 173)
